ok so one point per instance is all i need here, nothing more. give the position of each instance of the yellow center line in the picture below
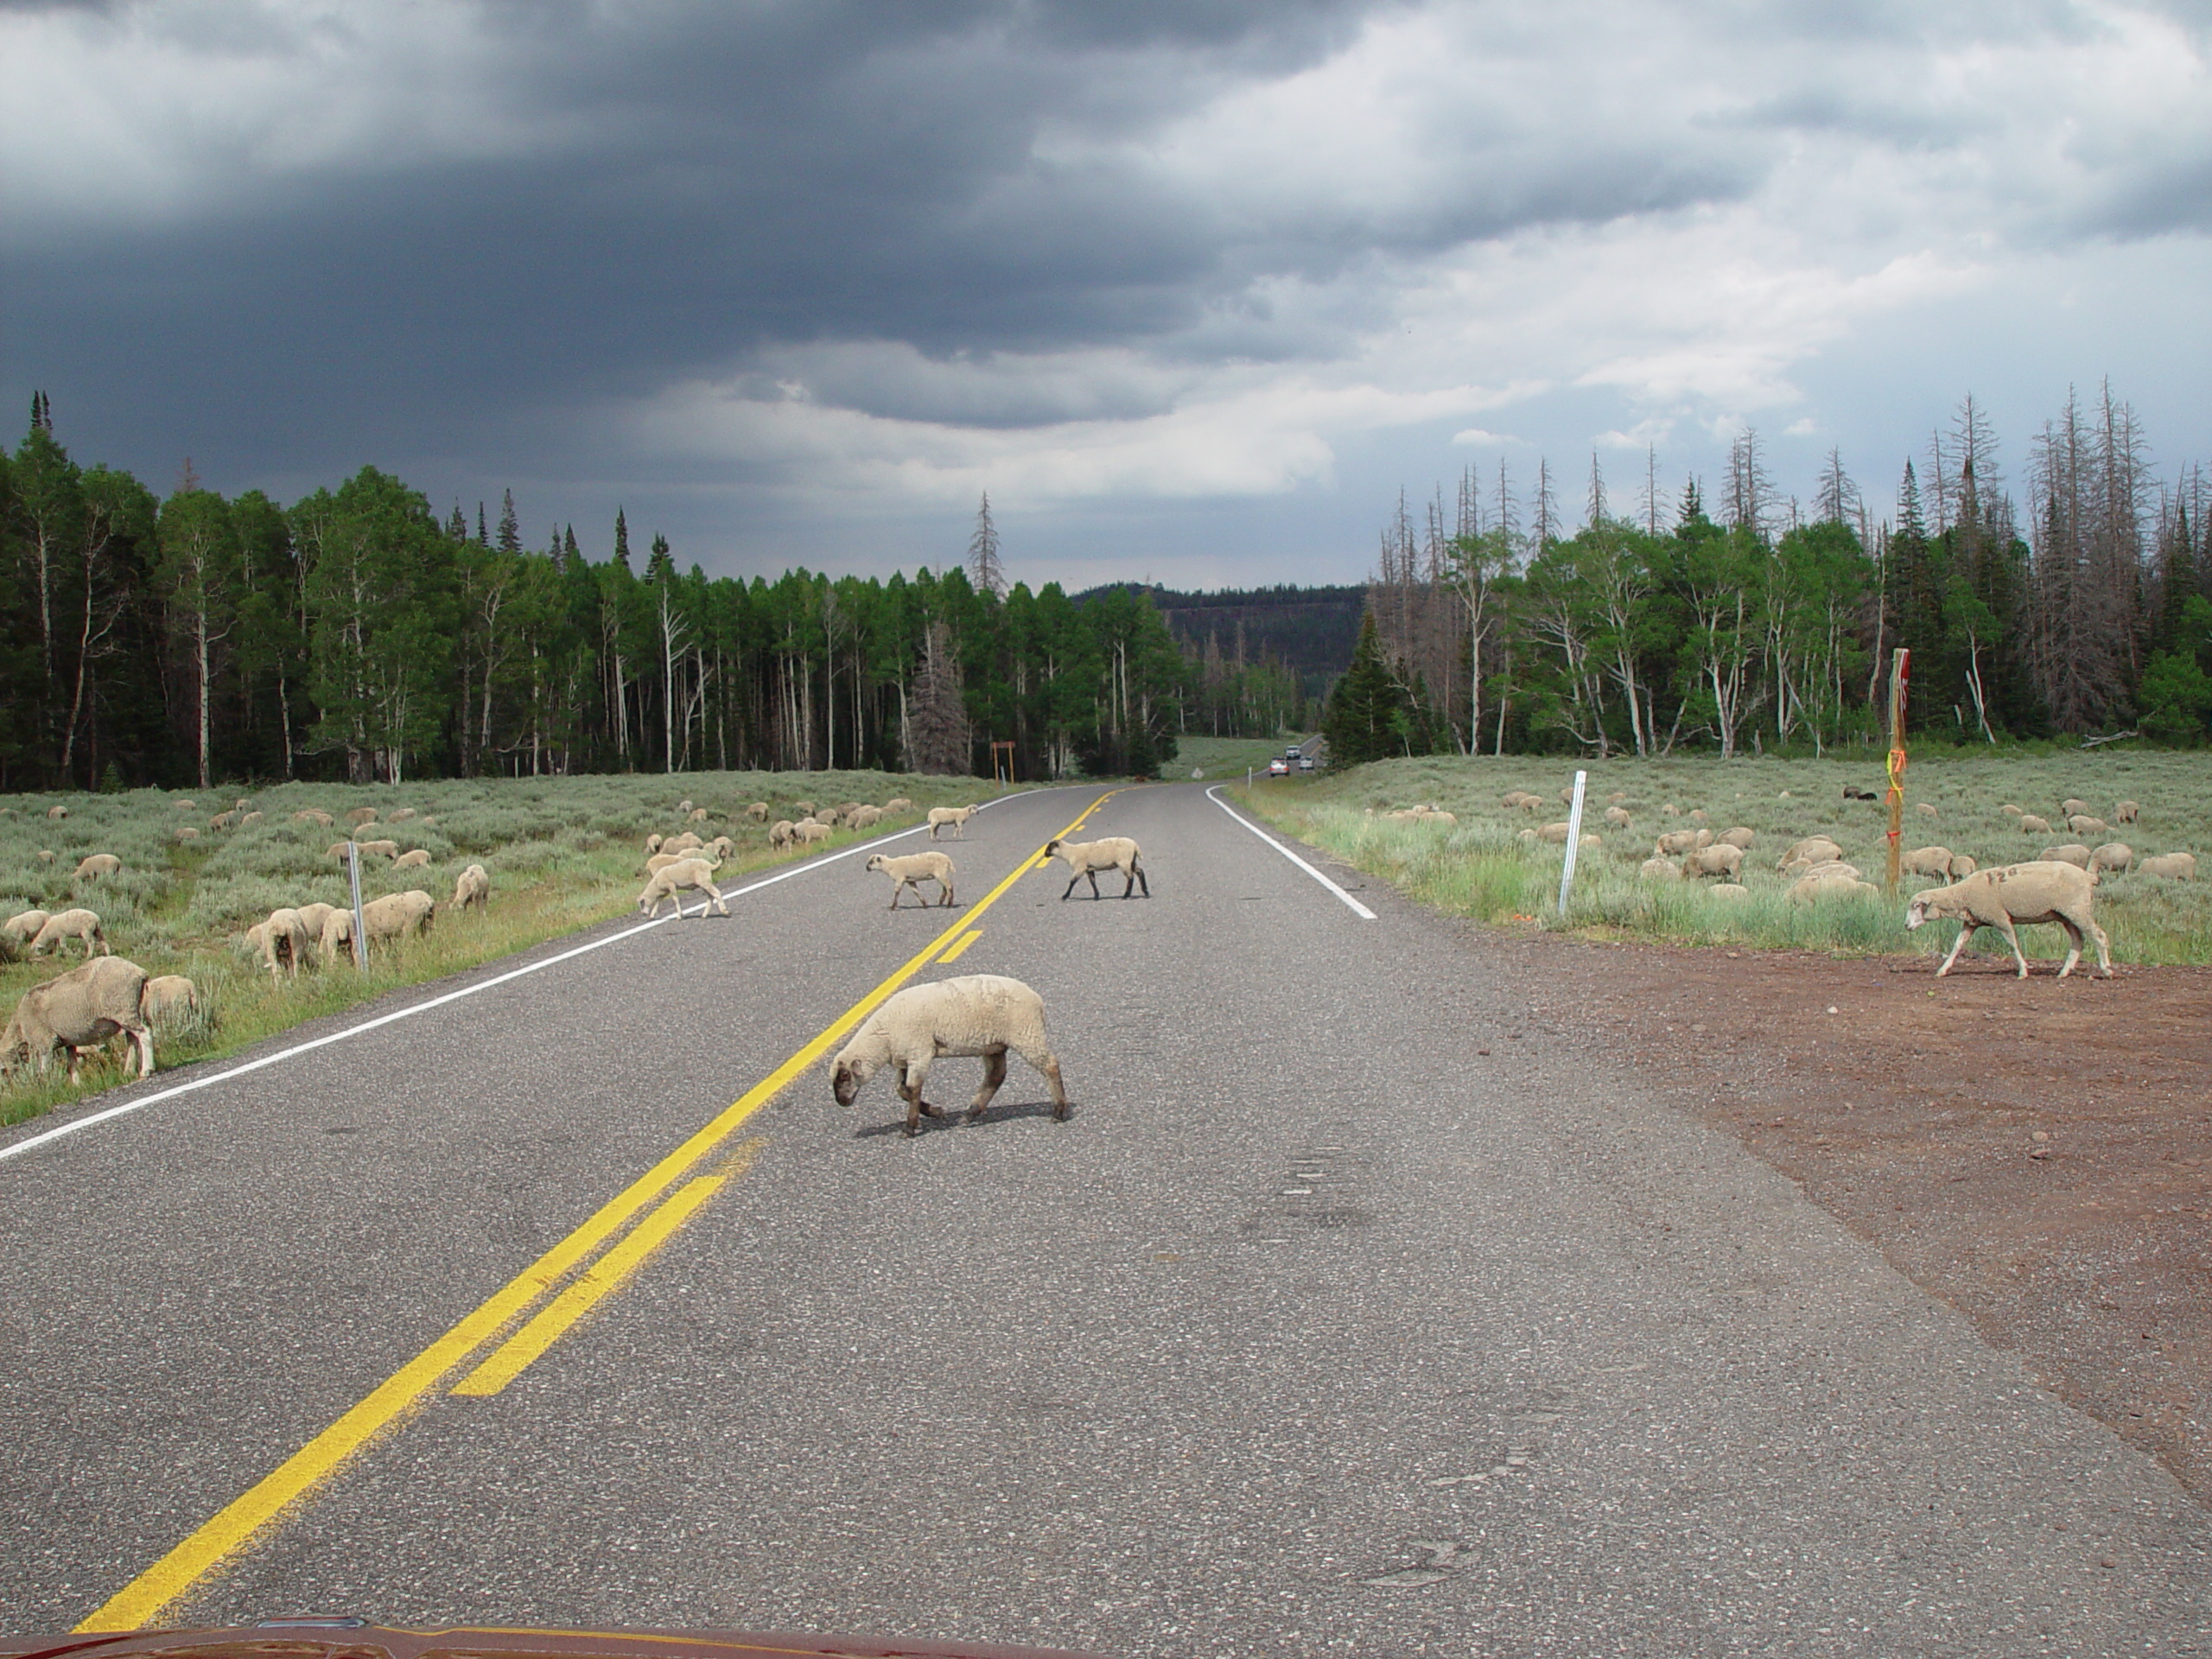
(952, 953)
(399, 1396)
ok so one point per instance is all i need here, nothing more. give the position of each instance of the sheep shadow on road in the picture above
(956, 1117)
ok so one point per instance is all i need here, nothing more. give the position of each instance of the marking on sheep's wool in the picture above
(961, 944)
(399, 1396)
(1358, 909)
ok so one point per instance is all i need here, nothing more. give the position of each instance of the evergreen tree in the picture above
(510, 527)
(1368, 716)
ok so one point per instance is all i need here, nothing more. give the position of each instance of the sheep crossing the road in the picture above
(977, 1015)
(2012, 893)
(1086, 858)
(911, 871)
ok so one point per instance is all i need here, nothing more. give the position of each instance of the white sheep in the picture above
(2072, 853)
(1835, 882)
(956, 817)
(1814, 849)
(1618, 817)
(1927, 860)
(684, 805)
(397, 914)
(1739, 837)
(361, 815)
(1729, 890)
(652, 844)
(472, 888)
(807, 831)
(336, 933)
(80, 1009)
(2082, 825)
(911, 871)
(670, 883)
(401, 816)
(98, 864)
(898, 803)
(2127, 813)
(250, 820)
(977, 1015)
(1698, 815)
(1926, 811)
(415, 859)
(1721, 860)
(168, 996)
(1675, 842)
(80, 924)
(2032, 825)
(2072, 807)
(660, 861)
(1085, 858)
(186, 834)
(684, 843)
(23, 925)
(57, 811)
(1656, 868)
(697, 815)
(758, 812)
(782, 833)
(2012, 893)
(284, 936)
(313, 815)
(803, 809)
(2011, 811)
(720, 848)
(2114, 855)
(2173, 867)
(867, 817)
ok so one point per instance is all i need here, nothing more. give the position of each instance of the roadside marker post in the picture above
(1573, 839)
(1900, 671)
(360, 926)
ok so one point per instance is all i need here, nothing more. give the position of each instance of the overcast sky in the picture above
(1191, 287)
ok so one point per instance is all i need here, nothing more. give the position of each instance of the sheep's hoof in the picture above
(1060, 1114)
(974, 1115)
(929, 1110)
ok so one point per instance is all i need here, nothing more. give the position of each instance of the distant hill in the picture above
(1311, 630)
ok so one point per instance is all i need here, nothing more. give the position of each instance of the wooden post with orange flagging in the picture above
(1900, 671)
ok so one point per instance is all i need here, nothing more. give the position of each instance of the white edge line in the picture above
(1358, 909)
(313, 1043)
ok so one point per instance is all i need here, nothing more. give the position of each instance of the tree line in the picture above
(2084, 608)
(356, 634)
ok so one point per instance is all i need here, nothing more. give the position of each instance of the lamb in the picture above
(1087, 858)
(695, 874)
(2173, 867)
(80, 1009)
(911, 871)
(1815, 848)
(2082, 825)
(471, 889)
(1618, 817)
(2115, 855)
(898, 803)
(284, 935)
(23, 926)
(2032, 825)
(1721, 860)
(397, 914)
(957, 817)
(868, 817)
(80, 924)
(2072, 853)
(808, 831)
(169, 995)
(2127, 813)
(984, 1015)
(2012, 893)
(782, 833)
(415, 859)
(758, 812)
(1656, 868)
(1739, 837)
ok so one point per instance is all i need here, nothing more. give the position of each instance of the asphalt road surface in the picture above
(1351, 1311)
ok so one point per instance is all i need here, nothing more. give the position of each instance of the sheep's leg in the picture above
(1093, 874)
(897, 887)
(1965, 932)
(2012, 938)
(1136, 874)
(994, 1074)
(1042, 1061)
(943, 897)
(144, 1037)
(2104, 949)
(1070, 888)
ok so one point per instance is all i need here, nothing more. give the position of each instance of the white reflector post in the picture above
(360, 927)
(1573, 840)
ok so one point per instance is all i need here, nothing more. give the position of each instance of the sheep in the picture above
(312, 917)
(2082, 825)
(57, 811)
(782, 833)
(898, 803)
(336, 933)
(1722, 860)
(2072, 853)
(46, 855)
(1815, 848)
(846, 809)
(1740, 838)
(170, 993)
(660, 861)
(1086, 858)
(670, 883)
(1962, 866)
(185, 833)
(697, 815)
(720, 848)
(80, 1009)
(187, 805)
(223, 820)
(415, 859)
(684, 805)
(956, 816)
(2032, 825)
(1831, 884)
(1675, 842)
(1729, 890)
(1616, 797)
(652, 844)
(284, 935)
(250, 820)
(758, 812)
(2071, 808)
(1698, 815)
(868, 817)
(23, 926)
(808, 831)
(1656, 868)
(1618, 817)
(1927, 860)
(382, 848)
(313, 815)
(1670, 811)
(911, 871)
(2173, 867)
(397, 914)
(2127, 813)
(977, 1015)
(686, 843)
(472, 888)
(1828, 869)
(361, 815)
(1555, 833)
(2012, 811)
(401, 816)
(82, 925)
(803, 809)
(2115, 855)
(2012, 893)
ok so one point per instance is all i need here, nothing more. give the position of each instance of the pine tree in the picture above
(983, 553)
(483, 529)
(510, 527)
(1366, 705)
(457, 526)
(621, 539)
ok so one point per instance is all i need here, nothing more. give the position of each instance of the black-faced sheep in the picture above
(2013, 893)
(1086, 858)
(670, 883)
(80, 1009)
(911, 871)
(83, 926)
(977, 1015)
(954, 817)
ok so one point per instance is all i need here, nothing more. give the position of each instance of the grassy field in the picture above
(1224, 757)
(563, 853)
(1481, 868)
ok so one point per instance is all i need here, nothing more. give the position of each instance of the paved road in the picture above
(1315, 1328)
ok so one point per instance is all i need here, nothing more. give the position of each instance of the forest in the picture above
(356, 634)
(2080, 608)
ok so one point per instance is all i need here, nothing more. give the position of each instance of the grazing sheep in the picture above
(1618, 817)
(1553, 833)
(652, 844)
(1675, 842)
(758, 812)
(472, 888)
(79, 925)
(401, 816)
(2032, 825)
(1829, 884)
(80, 1009)
(1670, 811)
(2072, 853)
(249, 820)
(1927, 860)
(720, 848)
(782, 833)
(57, 811)
(284, 935)
(2012, 893)
(188, 804)
(1729, 890)
(911, 871)
(335, 934)
(956, 816)
(23, 926)
(2173, 867)
(361, 815)
(1828, 869)
(2011, 811)
(697, 815)
(1926, 811)
(686, 843)
(415, 859)
(170, 995)
(660, 861)
(397, 914)
(868, 817)
(382, 848)
(2127, 813)
(1698, 815)
(2072, 808)
(1739, 837)
(186, 832)
(313, 815)
(98, 864)
(1961, 867)
(1086, 858)
(223, 820)
(695, 874)
(803, 809)
(1656, 868)
(683, 806)
(2082, 825)
(46, 855)
(808, 831)
(977, 1015)
(2114, 855)
(1814, 849)
(1721, 860)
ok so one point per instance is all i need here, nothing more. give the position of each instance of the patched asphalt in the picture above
(1313, 1329)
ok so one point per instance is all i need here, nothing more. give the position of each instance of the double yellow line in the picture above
(575, 1274)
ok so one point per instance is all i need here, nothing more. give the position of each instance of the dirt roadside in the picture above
(2037, 1154)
